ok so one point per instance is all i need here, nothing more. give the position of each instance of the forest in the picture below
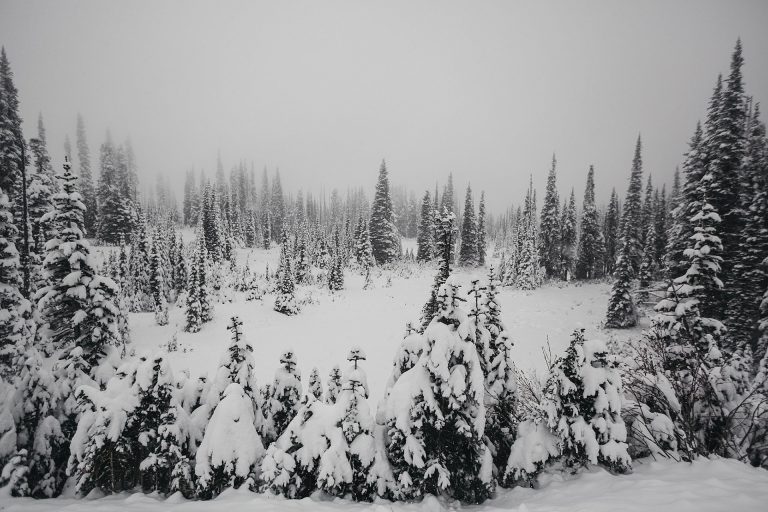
(90, 257)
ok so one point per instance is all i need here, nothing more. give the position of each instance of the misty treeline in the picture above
(458, 418)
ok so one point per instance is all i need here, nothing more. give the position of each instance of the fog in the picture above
(325, 90)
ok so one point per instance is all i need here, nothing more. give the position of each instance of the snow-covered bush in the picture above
(328, 446)
(581, 410)
(231, 447)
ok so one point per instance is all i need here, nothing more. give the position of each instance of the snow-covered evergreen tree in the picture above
(528, 275)
(549, 247)
(482, 248)
(468, 250)
(346, 467)
(631, 218)
(115, 215)
(77, 305)
(444, 252)
(435, 414)
(582, 403)
(568, 238)
(285, 301)
(385, 239)
(590, 257)
(334, 385)
(621, 306)
(500, 381)
(315, 385)
(425, 236)
(285, 399)
(14, 308)
(751, 279)
(199, 308)
(231, 447)
(725, 144)
(611, 233)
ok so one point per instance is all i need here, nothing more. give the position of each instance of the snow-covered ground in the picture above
(704, 486)
(375, 320)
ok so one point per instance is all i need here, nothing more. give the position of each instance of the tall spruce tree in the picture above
(631, 218)
(725, 143)
(13, 305)
(276, 207)
(78, 306)
(425, 236)
(13, 173)
(611, 232)
(660, 226)
(589, 263)
(549, 252)
(568, 235)
(751, 275)
(115, 216)
(694, 168)
(481, 231)
(621, 305)
(384, 237)
(468, 250)
(647, 211)
(11, 137)
(445, 250)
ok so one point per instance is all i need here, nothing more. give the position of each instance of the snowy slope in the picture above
(704, 486)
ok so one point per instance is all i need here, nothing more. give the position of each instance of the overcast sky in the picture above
(325, 90)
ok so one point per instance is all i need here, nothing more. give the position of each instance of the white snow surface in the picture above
(703, 486)
(373, 320)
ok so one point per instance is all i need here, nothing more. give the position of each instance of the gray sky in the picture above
(324, 90)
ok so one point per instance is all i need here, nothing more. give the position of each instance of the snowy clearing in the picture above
(373, 319)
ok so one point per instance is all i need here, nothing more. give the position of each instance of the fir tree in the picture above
(550, 226)
(621, 307)
(13, 172)
(725, 143)
(568, 237)
(679, 235)
(611, 233)
(647, 213)
(500, 380)
(285, 302)
(276, 207)
(385, 240)
(631, 218)
(590, 257)
(115, 216)
(660, 227)
(444, 253)
(82, 311)
(286, 395)
(11, 139)
(751, 278)
(13, 306)
(468, 250)
(199, 308)
(437, 446)
(481, 231)
(528, 276)
(424, 238)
